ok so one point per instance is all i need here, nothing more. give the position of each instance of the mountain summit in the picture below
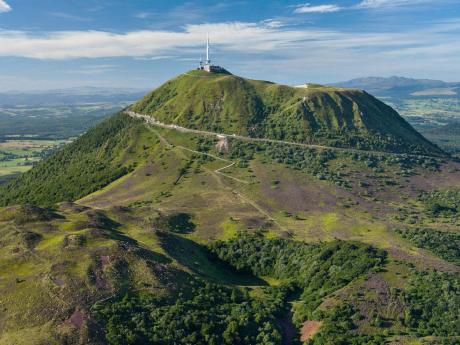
(312, 114)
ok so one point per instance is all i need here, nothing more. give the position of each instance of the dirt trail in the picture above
(219, 172)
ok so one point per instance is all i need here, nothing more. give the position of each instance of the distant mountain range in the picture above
(70, 96)
(403, 87)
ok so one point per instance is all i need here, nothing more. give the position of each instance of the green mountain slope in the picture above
(102, 155)
(312, 114)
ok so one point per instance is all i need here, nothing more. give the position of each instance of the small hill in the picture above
(310, 114)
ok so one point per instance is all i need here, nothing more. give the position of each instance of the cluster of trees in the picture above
(444, 244)
(362, 140)
(316, 162)
(337, 324)
(432, 304)
(312, 161)
(208, 314)
(78, 169)
(442, 203)
(317, 270)
(6, 156)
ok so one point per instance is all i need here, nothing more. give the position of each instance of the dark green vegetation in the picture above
(86, 165)
(321, 115)
(178, 222)
(428, 306)
(432, 303)
(317, 270)
(321, 163)
(206, 314)
(339, 327)
(442, 243)
(442, 203)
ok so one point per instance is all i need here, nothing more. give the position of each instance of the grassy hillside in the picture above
(171, 240)
(314, 114)
(100, 156)
(54, 265)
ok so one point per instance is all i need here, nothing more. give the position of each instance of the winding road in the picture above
(152, 121)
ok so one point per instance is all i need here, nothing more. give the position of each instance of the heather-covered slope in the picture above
(310, 114)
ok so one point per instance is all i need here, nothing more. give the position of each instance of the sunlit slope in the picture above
(311, 114)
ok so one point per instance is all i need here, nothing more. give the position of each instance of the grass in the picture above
(272, 281)
(29, 336)
(229, 230)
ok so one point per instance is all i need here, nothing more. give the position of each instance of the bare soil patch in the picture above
(77, 319)
(309, 329)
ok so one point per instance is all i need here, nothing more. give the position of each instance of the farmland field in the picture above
(52, 121)
(30, 132)
(438, 119)
(18, 156)
(427, 112)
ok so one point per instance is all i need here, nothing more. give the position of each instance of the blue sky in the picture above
(46, 44)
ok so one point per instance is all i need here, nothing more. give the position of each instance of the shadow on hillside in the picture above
(198, 259)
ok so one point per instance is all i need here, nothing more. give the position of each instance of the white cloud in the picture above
(387, 3)
(307, 8)
(64, 15)
(273, 23)
(92, 69)
(94, 44)
(236, 37)
(4, 7)
(257, 48)
(156, 58)
(142, 15)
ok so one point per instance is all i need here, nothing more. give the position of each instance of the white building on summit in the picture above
(207, 66)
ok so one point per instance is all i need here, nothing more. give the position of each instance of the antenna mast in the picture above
(208, 60)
